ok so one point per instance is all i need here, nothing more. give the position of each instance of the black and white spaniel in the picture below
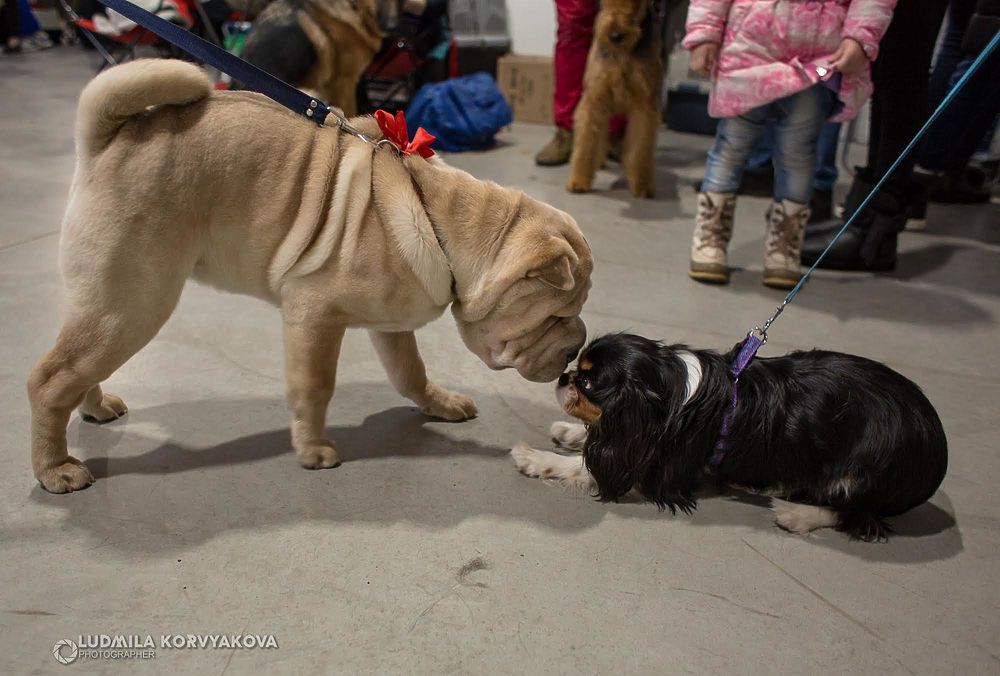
(845, 441)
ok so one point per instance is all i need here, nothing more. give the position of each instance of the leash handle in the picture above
(251, 76)
(885, 177)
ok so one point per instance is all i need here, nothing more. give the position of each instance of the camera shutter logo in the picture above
(65, 651)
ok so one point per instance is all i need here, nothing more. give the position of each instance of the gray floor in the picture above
(426, 552)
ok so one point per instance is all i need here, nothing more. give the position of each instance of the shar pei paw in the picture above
(72, 475)
(319, 454)
(447, 405)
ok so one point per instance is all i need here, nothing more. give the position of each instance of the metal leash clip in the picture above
(762, 330)
(340, 121)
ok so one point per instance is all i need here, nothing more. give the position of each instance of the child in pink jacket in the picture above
(797, 62)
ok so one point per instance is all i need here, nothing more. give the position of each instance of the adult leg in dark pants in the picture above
(899, 108)
(574, 33)
(10, 26)
(958, 133)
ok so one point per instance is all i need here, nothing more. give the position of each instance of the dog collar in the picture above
(747, 350)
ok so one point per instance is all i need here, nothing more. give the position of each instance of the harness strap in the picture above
(748, 349)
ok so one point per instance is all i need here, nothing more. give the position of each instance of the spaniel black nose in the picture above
(616, 37)
(564, 379)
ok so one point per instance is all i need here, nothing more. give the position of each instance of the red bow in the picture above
(394, 129)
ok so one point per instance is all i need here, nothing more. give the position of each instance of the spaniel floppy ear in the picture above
(625, 440)
(641, 441)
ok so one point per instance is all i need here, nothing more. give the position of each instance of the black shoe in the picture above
(870, 242)
(846, 253)
(821, 206)
(957, 190)
(616, 148)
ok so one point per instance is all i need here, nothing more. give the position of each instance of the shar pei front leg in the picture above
(311, 352)
(402, 362)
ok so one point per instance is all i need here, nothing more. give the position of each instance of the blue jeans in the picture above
(825, 167)
(798, 120)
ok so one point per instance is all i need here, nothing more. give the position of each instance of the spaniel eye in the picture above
(584, 383)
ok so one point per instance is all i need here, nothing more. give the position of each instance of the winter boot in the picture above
(786, 226)
(713, 229)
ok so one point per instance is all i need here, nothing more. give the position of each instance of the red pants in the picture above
(574, 33)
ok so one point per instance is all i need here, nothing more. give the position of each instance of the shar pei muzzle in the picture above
(175, 181)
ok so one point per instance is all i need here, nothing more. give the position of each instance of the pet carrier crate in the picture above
(481, 32)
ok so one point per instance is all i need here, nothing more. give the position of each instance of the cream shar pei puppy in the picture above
(174, 181)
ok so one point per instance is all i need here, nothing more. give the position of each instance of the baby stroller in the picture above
(403, 65)
(117, 39)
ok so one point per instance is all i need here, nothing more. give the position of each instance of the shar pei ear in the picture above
(559, 273)
(550, 260)
(497, 238)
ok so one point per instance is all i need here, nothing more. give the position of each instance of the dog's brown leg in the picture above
(405, 368)
(345, 94)
(590, 139)
(311, 352)
(55, 388)
(640, 150)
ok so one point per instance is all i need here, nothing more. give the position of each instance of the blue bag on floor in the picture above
(463, 113)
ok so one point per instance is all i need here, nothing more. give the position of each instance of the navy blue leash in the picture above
(748, 348)
(251, 76)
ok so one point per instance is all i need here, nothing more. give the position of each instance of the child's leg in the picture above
(734, 141)
(800, 120)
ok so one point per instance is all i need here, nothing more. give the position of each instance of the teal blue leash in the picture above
(885, 177)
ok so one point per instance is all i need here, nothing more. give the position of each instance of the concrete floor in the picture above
(426, 552)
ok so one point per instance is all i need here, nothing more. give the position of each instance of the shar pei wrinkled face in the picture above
(522, 272)
(527, 316)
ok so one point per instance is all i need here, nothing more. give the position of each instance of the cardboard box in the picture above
(526, 82)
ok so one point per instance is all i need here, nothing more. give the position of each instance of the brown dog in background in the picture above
(624, 75)
(321, 46)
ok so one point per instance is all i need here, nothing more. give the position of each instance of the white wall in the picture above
(532, 26)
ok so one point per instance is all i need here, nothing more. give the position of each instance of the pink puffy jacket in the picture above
(772, 48)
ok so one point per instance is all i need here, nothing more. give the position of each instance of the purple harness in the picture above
(748, 349)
